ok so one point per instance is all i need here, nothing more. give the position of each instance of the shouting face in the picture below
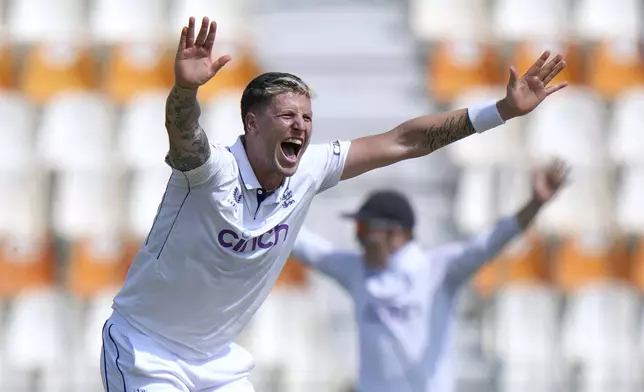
(279, 133)
(276, 111)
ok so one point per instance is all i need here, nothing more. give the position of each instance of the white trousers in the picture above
(133, 362)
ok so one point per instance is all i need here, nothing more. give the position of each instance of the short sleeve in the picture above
(325, 162)
(205, 172)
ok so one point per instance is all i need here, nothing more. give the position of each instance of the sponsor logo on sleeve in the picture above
(336, 148)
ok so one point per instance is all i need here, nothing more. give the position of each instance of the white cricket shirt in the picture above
(404, 312)
(216, 247)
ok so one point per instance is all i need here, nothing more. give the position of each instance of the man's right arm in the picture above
(189, 146)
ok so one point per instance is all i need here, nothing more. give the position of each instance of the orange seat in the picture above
(7, 69)
(614, 67)
(456, 67)
(50, 69)
(486, 281)
(92, 270)
(130, 248)
(521, 262)
(233, 77)
(526, 53)
(24, 268)
(135, 68)
(637, 265)
(578, 265)
(293, 275)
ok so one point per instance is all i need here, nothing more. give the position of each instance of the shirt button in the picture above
(246, 234)
(260, 191)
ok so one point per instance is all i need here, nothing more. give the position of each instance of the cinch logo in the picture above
(230, 239)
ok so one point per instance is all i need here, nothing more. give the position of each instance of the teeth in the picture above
(294, 141)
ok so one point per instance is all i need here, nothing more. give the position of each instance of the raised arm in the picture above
(193, 67)
(423, 135)
(317, 252)
(464, 259)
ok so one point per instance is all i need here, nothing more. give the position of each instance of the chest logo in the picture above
(287, 198)
(237, 194)
(235, 197)
(242, 243)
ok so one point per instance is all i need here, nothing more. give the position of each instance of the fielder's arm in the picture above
(466, 258)
(317, 252)
(189, 147)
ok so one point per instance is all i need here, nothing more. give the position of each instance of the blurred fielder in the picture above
(404, 296)
(230, 215)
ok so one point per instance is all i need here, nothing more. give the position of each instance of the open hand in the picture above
(549, 179)
(193, 65)
(525, 93)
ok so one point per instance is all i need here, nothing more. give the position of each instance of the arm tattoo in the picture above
(452, 130)
(189, 147)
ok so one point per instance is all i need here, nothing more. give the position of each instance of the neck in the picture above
(396, 245)
(269, 180)
(380, 259)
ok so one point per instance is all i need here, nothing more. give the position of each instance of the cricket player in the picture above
(230, 215)
(404, 296)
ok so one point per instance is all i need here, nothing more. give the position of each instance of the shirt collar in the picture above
(408, 253)
(245, 170)
(249, 180)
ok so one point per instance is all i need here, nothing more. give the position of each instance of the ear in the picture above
(251, 123)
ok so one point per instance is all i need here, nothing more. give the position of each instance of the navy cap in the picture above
(389, 207)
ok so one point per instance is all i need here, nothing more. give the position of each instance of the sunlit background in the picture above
(82, 142)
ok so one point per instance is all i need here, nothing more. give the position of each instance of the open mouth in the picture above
(291, 148)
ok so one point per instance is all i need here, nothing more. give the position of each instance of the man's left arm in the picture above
(423, 135)
(465, 258)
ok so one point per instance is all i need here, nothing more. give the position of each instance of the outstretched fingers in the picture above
(190, 33)
(536, 67)
(219, 63)
(554, 88)
(514, 77)
(549, 67)
(554, 72)
(210, 38)
(203, 32)
(182, 39)
(558, 172)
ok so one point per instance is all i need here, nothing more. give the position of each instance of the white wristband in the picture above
(485, 116)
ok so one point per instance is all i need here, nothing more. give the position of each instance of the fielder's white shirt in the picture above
(216, 247)
(404, 312)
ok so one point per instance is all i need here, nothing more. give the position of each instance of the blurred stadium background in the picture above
(82, 141)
